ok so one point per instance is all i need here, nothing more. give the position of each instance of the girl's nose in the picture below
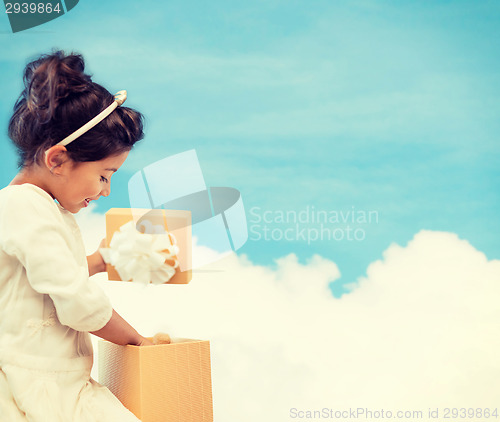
(106, 190)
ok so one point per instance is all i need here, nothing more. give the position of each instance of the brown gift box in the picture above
(162, 383)
(174, 221)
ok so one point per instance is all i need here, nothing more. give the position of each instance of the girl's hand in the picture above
(145, 342)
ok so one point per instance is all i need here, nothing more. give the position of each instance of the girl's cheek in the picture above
(97, 188)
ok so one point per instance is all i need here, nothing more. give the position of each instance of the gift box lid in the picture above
(176, 222)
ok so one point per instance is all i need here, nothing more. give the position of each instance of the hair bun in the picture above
(57, 99)
(51, 79)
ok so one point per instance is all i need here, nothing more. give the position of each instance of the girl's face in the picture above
(88, 181)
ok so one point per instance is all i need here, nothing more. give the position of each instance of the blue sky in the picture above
(386, 106)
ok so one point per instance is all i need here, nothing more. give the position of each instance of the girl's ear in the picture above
(55, 157)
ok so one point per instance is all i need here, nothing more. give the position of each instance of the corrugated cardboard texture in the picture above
(164, 383)
(176, 222)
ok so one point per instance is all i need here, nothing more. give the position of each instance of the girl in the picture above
(48, 306)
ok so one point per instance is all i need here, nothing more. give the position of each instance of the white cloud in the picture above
(420, 330)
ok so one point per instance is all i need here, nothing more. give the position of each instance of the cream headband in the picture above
(120, 98)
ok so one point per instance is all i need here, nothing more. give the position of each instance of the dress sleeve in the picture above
(32, 229)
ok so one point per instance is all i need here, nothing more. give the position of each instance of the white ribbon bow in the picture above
(142, 257)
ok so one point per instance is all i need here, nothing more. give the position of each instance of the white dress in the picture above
(47, 307)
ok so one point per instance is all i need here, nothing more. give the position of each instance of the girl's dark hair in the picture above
(58, 98)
